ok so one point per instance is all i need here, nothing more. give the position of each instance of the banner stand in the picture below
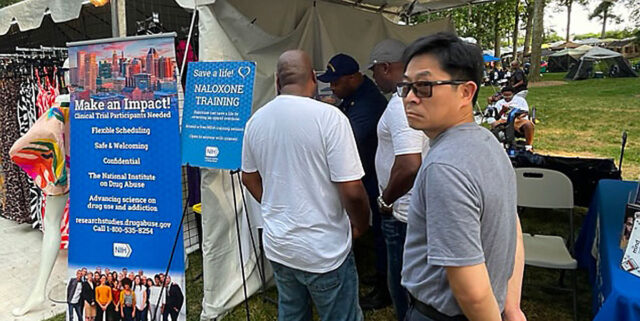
(261, 268)
(235, 208)
(173, 251)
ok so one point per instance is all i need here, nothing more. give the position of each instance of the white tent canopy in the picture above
(260, 31)
(600, 53)
(576, 52)
(28, 14)
(395, 7)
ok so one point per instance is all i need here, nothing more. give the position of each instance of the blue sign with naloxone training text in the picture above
(217, 106)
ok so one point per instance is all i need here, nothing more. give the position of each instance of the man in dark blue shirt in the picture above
(363, 104)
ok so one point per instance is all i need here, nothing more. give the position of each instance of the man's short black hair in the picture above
(460, 59)
(506, 88)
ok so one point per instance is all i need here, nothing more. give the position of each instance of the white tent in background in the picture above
(563, 60)
(616, 64)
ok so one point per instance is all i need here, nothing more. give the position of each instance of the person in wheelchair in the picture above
(514, 109)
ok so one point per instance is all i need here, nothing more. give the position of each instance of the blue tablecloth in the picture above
(616, 293)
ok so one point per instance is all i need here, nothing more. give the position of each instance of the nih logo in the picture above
(211, 151)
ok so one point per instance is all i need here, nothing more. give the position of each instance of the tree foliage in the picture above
(604, 12)
(613, 34)
(478, 21)
(4, 3)
(634, 10)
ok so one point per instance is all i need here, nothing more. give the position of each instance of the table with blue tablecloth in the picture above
(616, 293)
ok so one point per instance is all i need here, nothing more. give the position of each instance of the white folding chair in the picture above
(548, 189)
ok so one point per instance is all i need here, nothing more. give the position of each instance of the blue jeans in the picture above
(394, 232)
(78, 308)
(335, 293)
(414, 315)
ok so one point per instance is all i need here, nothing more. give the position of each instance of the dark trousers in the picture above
(103, 315)
(78, 308)
(170, 311)
(371, 186)
(115, 315)
(141, 315)
(127, 313)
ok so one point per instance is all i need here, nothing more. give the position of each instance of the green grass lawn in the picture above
(578, 118)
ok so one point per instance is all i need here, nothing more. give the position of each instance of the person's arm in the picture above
(472, 289)
(110, 298)
(408, 146)
(253, 183)
(512, 311)
(133, 295)
(356, 202)
(144, 298)
(180, 299)
(121, 303)
(403, 173)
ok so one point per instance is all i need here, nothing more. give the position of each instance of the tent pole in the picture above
(186, 49)
(118, 18)
(114, 19)
(122, 18)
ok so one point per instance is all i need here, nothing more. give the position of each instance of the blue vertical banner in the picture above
(217, 106)
(126, 196)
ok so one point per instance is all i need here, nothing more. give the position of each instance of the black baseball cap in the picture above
(338, 66)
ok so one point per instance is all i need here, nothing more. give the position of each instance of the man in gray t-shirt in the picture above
(463, 232)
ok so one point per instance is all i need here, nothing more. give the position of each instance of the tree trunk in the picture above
(604, 21)
(536, 43)
(569, 3)
(527, 34)
(515, 32)
(496, 34)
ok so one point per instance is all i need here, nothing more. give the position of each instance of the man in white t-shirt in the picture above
(300, 161)
(398, 158)
(522, 124)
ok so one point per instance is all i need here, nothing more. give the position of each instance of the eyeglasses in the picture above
(423, 89)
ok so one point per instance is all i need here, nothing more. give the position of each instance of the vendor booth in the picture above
(615, 294)
(226, 31)
(242, 30)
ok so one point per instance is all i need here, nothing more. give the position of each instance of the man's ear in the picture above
(467, 91)
(386, 68)
(278, 87)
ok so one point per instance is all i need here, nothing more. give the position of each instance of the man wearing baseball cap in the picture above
(398, 159)
(363, 104)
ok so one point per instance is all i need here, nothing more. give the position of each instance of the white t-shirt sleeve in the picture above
(248, 160)
(342, 152)
(405, 139)
(522, 103)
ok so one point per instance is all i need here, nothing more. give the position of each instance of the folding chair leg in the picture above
(561, 279)
(575, 295)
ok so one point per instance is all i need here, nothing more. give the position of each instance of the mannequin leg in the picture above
(50, 247)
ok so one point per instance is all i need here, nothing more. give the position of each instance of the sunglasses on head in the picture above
(423, 89)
